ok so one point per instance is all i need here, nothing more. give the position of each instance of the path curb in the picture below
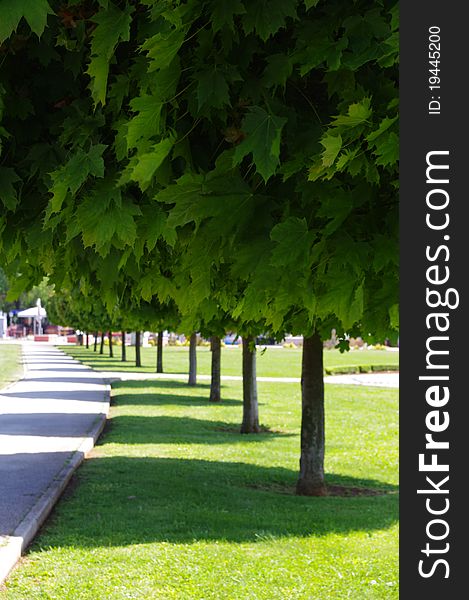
(12, 547)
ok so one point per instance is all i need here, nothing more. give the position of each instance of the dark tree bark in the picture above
(215, 384)
(193, 360)
(95, 341)
(123, 356)
(311, 479)
(138, 357)
(101, 347)
(87, 341)
(250, 422)
(111, 352)
(159, 353)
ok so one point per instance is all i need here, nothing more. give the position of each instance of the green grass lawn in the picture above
(10, 363)
(274, 362)
(173, 503)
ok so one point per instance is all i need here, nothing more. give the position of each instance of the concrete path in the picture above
(48, 422)
(389, 380)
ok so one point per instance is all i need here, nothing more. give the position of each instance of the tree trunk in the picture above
(123, 357)
(311, 479)
(215, 385)
(87, 341)
(138, 358)
(101, 348)
(250, 422)
(111, 353)
(95, 341)
(159, 353)
(193, 360)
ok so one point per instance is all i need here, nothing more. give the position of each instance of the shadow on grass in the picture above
(121, 500)
(158, 399)
(179, 430)
(157, 383)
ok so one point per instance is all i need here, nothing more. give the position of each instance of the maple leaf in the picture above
(266, 17)
(357, 114)
(72, 175)
(147, 122)
(213, 89)
(34, 11)
(263, 133)
(387, 151)
(332, 146)
(149, 162)
(8, 195)
(223, 12)
(113, 26)
(163, 47)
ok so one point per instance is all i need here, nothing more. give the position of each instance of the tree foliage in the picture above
(235, 160)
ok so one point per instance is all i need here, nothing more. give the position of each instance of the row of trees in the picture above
(233, 162)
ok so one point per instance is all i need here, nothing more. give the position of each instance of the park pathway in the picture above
(386, 380)
(48, 422)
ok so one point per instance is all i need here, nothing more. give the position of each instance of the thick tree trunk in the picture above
(101, 347)
(138, 357)
(87, 341)
(193, 360)
(250, 422)
(311, 479)
(111, 352)
(123, 356)
(95, 341)
(215, 385)
(159, 353)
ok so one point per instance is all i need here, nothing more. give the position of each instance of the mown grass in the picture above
(10, 364)
(175, 503)
(274, 362)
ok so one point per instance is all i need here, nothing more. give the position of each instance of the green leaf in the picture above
(147, 123)
(293, 243)
(212, 89)
(147, 163)
(104, 217)
(113, 26)
(34, 11)
(278, 70)
(388, 150)
(394, 316)
(332, 146)
(163, 47)
(385, 124)
(223, 12)
(311, 4)
(8, 195)
(266, 17)
(72, 175)
(263, 131)
(357, 114)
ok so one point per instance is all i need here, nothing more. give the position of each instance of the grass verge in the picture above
(274, 362)
(10, 364)
(174, 503)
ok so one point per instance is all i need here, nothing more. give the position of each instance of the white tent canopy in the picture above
(35, 312)
(32, 312)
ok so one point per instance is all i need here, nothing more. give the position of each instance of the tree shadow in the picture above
(49, 425)
(157, 383)
(121, 500)
(137, 398)
(93, 379)
(92, 395)
(179, 430)
(54, 369)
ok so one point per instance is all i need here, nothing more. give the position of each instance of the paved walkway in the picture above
(389, 380)
(48, 422)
